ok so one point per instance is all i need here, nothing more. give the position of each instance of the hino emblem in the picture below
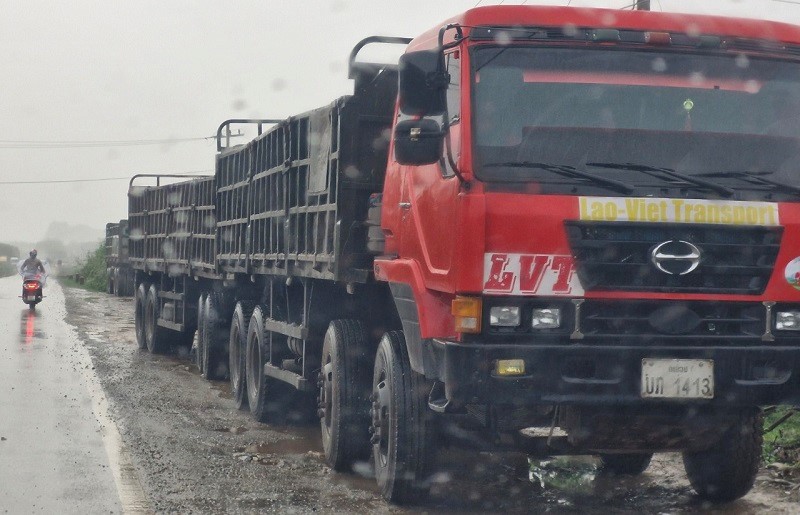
(675, 257)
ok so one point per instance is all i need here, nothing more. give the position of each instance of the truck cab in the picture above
(591, 224)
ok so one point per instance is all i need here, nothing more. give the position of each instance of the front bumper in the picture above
(585, 374)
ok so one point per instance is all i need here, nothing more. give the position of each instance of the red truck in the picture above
(578, 220)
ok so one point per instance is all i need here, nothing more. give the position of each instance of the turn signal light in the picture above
(467, 313)
(509, 367)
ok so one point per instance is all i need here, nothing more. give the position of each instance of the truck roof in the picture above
(545, 16)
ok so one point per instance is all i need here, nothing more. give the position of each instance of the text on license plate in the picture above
(678, 378)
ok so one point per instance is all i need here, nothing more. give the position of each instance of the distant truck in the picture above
(581, 221)
(118, 266)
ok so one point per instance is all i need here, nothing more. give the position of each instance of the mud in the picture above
(194, 452)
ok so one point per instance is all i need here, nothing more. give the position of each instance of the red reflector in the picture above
(657, 38)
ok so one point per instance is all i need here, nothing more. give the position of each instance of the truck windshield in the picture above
(697, 114)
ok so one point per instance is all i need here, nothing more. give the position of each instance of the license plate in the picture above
(678, 378)
(31, 297)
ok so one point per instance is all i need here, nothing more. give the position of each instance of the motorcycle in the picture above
(32, 283)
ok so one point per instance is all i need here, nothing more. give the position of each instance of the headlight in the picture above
(546, 318)
(787, 321)
(504, 316)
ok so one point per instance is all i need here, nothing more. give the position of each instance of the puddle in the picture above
(28, 330)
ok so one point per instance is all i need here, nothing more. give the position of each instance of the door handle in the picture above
(405, 205)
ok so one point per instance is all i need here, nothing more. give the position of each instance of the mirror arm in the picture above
(446, 117)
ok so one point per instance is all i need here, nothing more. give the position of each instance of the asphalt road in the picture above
(59, 451)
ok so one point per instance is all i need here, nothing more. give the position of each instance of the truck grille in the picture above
(617, 256)
(691, 321)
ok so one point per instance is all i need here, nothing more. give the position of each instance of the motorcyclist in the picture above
(32, 264)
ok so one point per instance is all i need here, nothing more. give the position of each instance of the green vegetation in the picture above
(782, 444)
(93, 270)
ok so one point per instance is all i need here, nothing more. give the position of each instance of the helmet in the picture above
(33, 253)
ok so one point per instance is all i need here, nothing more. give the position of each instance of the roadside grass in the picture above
(93, 270)
(7, 270)
(782, 444)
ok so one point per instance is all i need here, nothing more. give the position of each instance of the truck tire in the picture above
(126, 288)
(236, 352)
(344, 390)
(157, 337)
(265, 396)
(402, 430)
(110, 281)
(727, 470)
(201, 320)
(629, 464)
(118, 286)
(139, 302)
(215, 338)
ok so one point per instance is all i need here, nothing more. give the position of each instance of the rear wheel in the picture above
(201, 320)
(625, 464)
(264, 395)
(157, 337)
(215, 338)
(728, 470)
(118, 283)
(139, 304)
(402, 430)
(236, 352)
(344, 389)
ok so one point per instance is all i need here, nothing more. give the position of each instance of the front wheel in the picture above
(401, 429)
(728, 470)
(343, 400)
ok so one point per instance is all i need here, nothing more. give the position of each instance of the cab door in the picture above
(429, 197)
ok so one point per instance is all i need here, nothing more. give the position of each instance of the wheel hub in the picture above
(380, 419)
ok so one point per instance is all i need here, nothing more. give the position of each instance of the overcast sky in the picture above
(98, 71)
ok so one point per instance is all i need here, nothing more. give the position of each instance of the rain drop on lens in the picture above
(742, 61)
(659, 64)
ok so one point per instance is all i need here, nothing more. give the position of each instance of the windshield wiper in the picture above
(753, 177)
(652, 170)
(568, 171)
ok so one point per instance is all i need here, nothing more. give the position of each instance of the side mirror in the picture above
(423, 82)
(418, 142)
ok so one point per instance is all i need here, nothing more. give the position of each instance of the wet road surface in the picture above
(92, 424)
(194, 452)
(53, 440)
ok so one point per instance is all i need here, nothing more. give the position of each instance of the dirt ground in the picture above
(194, 452)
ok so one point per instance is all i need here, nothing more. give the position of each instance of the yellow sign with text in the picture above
(691, 211)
